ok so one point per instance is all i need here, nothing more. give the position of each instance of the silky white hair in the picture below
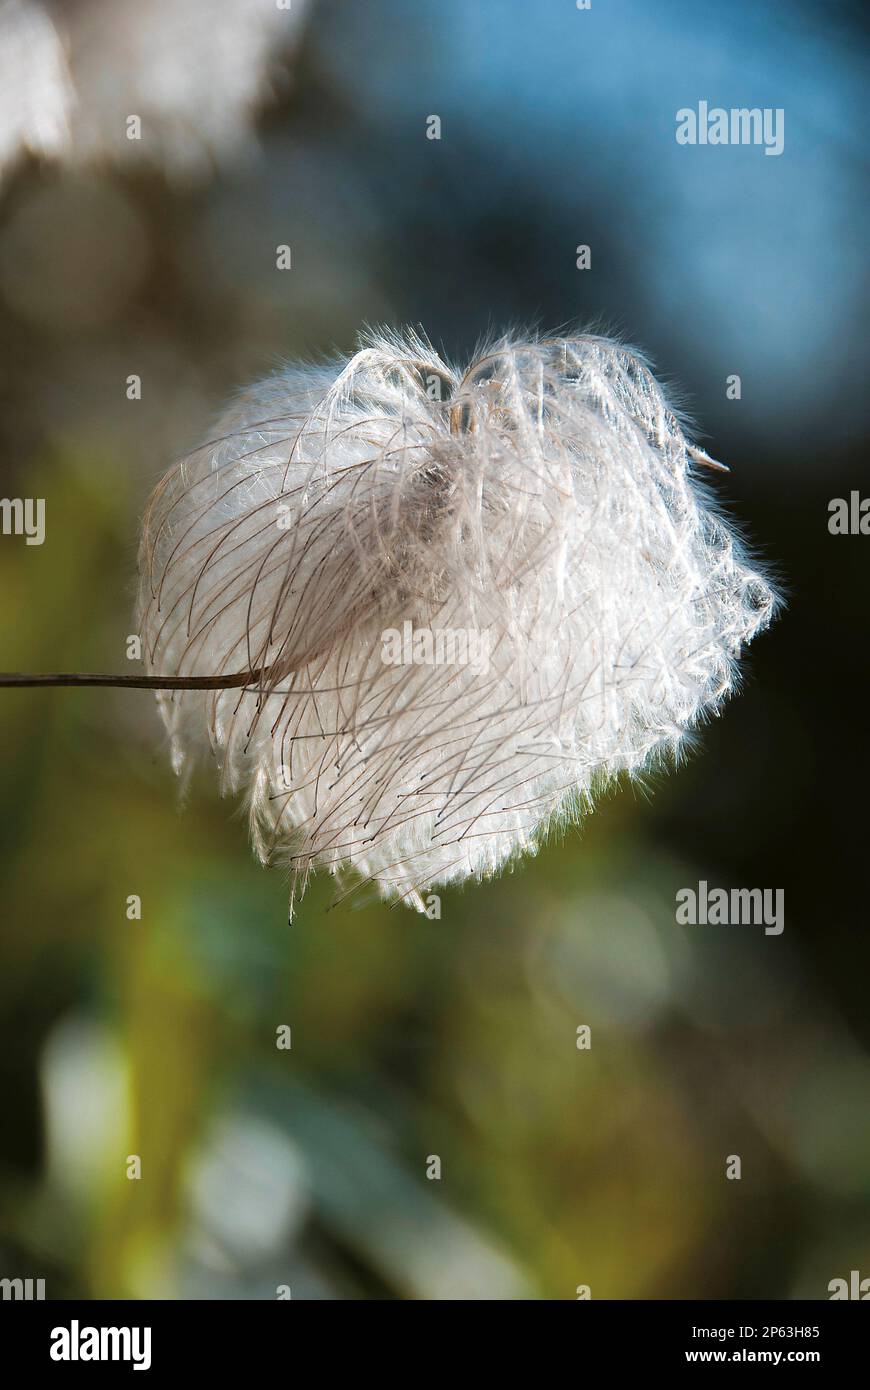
(545, 497)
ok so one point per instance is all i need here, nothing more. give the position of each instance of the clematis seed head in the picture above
(350, 533)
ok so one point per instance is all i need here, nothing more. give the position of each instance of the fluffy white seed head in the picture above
(195, 73)
(540, 508)
(36, 91)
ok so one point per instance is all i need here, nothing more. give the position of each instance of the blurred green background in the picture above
(411, 1038)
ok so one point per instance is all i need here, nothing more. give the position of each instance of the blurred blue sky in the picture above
(737, 261)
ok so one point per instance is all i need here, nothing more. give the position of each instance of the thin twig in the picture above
(227, 682)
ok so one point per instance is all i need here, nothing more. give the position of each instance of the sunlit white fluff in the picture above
(545, 496)
(36, 94)
(72, 73)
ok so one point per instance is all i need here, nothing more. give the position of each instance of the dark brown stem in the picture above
(228, 682)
